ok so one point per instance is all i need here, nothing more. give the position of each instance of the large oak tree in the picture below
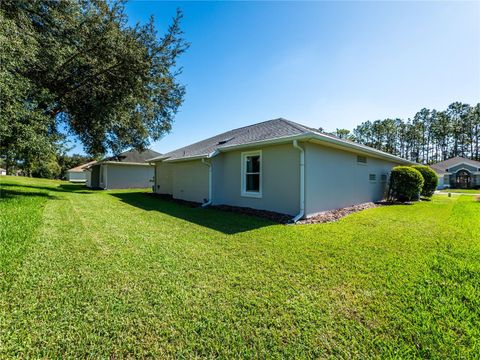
(79, 66)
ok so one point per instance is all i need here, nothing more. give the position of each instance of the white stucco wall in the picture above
(280, 179)
(334, 179)
(76, 176)
(126, 176)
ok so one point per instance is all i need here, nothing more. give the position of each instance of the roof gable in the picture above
(442, 166)
(133, 156)
(81, 168)
(267, 130)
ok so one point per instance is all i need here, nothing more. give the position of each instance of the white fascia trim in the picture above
(308, 136)
(321, 138)
(156, 159)
(361, 148)
(125, 163)
(469, 170)
(279, 140)
(464, 163)
(197, 157)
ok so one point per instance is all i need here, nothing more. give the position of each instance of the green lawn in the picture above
(91, 274)
(463, 191)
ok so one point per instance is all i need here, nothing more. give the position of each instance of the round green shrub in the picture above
(430, 179)
(406, 183)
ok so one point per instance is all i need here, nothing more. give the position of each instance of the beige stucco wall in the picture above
(190, 181)
(126, 176)
(163, 178)
(186, 180)
(334, 179)
(280, 179)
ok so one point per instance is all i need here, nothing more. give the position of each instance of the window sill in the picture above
(252, 194)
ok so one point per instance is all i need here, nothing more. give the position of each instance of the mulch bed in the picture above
(337, 214)
(323, 217)
(269, 215)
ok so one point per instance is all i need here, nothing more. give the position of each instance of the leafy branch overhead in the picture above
(111, 84)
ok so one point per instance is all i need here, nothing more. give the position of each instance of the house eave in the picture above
(121, 163)
(308, 136)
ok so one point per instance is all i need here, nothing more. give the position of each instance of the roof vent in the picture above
(221, 142)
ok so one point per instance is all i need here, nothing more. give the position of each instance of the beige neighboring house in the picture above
(79, 173)
(3, 172)
(458, 173)
(276, 165)
(127, 170)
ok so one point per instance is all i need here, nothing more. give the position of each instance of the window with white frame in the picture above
(252, 173)
(372, 177)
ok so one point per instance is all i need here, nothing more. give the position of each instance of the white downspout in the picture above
(302, 182)
(209, 202)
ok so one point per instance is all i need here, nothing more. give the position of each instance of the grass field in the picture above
(91, 274)
(462, 191)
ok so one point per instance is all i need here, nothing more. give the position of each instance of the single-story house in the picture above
(127, 170)
(3, 171)
(276, 165)
(79, 173)
(458, 172)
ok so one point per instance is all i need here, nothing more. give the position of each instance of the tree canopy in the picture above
(429, 137)
(78, 67)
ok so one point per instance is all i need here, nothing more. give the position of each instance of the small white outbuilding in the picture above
(79, 173)
(128, 170)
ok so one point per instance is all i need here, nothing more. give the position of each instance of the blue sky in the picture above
(322, 64)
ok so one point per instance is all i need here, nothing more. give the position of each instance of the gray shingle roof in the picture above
(267, 130)
(442, 166)
(133, 156)
(82, 167)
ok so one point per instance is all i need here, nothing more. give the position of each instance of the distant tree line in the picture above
(429, 137)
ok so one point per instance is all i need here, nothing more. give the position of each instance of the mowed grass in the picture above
(122, 275)
(462, 191)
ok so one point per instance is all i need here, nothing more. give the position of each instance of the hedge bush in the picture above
(406, 184)
(430, 179)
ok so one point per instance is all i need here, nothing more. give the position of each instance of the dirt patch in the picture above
(334, 215)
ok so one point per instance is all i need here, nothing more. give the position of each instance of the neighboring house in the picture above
(3, 172)
(457, 172)
(79, 173)
(124, 171)
(277, 165)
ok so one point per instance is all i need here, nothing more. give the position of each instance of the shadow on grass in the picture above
(7, 194)
(225, 222)
(75, 188)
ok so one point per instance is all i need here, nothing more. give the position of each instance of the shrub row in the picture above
(408, 183)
